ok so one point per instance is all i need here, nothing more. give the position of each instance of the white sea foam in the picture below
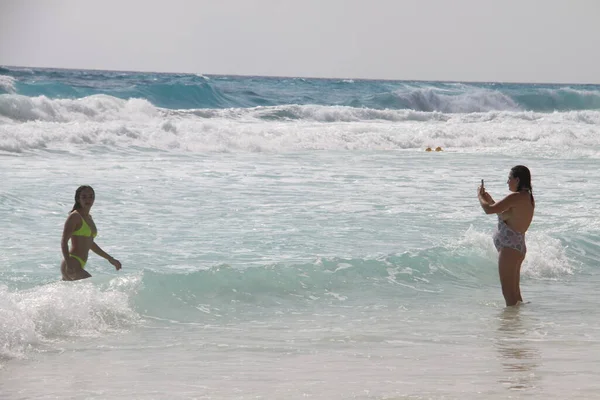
(97, 108)
(41, 123)
(7, 84)
(56, 311)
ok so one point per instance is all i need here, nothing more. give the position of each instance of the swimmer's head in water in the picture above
(84, 196)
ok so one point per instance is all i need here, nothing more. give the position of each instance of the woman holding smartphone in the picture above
(515, 213)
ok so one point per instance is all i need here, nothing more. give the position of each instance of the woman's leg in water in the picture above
(519, 297)
(509, 268)
(63, 271)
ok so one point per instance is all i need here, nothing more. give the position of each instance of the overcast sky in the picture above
(464, 40)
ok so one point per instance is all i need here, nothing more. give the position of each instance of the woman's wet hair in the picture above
(522, 172)
(80, 189)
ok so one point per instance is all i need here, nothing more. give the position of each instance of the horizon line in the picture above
(306, 77)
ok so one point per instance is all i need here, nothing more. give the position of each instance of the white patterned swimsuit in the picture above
(506, 237)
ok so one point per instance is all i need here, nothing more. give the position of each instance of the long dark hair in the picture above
(80, 189)
(522, 172)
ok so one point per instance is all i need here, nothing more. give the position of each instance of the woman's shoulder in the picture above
(74, 215)
(524, 195)
(517, 198)
(523, 199)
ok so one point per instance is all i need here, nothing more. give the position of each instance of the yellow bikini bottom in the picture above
(78, 259)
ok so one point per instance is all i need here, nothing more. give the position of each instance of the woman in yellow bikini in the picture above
(81, 230)
(515, 213)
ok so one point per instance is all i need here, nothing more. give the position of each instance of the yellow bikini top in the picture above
(84, 230)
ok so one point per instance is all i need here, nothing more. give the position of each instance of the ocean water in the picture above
(287, 238)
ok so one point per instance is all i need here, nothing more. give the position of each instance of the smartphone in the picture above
(482, 183)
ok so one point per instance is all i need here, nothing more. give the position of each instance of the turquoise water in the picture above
(319, 253)
(195, 91)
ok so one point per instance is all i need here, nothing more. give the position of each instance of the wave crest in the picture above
(7, 84)
(47, 313)
(98, 108)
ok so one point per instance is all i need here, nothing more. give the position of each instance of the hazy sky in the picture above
(469, 40)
